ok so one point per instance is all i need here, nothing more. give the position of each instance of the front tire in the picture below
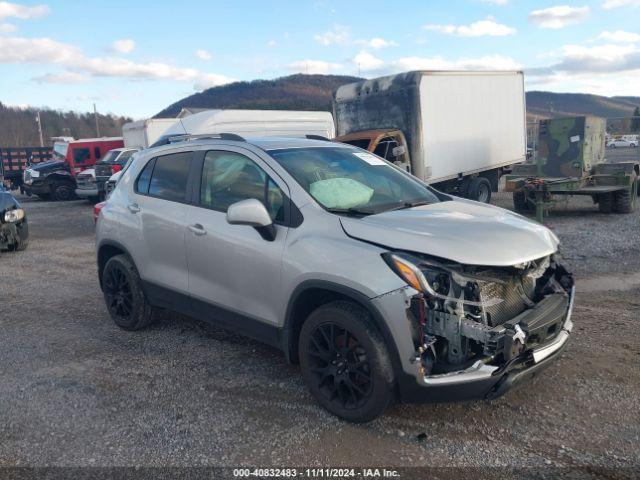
(63, 191)
(345, 362)
(23, 237)
(123, 294)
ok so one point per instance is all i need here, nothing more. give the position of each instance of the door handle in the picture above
(197, 229)
(133, 207)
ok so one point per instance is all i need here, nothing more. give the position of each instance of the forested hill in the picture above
(295, 92)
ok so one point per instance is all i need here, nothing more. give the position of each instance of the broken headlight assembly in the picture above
(438, 283)
(13, 216)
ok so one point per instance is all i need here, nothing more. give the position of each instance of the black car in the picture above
(14, 230)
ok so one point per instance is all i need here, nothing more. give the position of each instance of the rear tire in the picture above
(345, 362)
(123, 294)
(63, 191)
(605, 202)
(479, 190)
(624, 200)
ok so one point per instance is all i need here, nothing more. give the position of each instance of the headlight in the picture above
(34, 173)
(12, 216)
(437, 282)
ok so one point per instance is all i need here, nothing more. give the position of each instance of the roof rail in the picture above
(183, 137)
(317, 137)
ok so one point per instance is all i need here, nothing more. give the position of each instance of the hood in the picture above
(466, 232)
(48, 165)
(7, 201)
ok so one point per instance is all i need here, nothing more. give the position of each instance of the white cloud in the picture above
(203, 55)
(339, 34)
(482, 28)
(7, 28)
(66, 78)
(272, 43)
(313, 67)
(377, 43)
(619, 36)
(602, 70)
(611, 4)
(23, 12)
(487, 62)
(367, 62)
(124, 46)
(559, 16)
(50, 52)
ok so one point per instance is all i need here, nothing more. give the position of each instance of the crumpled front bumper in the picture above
(482, 381)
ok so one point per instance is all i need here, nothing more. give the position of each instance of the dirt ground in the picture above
(77, 391)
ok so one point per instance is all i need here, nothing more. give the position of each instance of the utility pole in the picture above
(40, 128)
(95, 114)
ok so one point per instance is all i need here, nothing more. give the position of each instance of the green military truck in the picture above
(571, 161)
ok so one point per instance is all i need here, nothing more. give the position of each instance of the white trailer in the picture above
(289, 123)
(456, 130)
(143, 133)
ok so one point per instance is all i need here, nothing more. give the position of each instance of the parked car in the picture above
(622, 143)
(381, 287)
(14, 229)
(57, 178)
(92, 181)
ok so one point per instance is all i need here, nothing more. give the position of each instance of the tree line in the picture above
(19, 127)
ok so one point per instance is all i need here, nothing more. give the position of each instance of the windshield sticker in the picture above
(370, 158)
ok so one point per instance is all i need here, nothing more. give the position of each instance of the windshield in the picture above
(60, 150)
(112, 156)
(350, 180)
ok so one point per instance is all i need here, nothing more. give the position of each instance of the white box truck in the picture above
(455, 130)
(143, 133)
(259, 123)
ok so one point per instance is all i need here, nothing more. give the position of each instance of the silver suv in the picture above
(380, 287)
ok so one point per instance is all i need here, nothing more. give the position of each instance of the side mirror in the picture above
(398, 151)
(253, 213)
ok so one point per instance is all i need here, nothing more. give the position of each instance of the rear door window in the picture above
(170, 175)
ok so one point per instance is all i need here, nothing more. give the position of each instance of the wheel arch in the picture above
(310, 295)
(107, 250)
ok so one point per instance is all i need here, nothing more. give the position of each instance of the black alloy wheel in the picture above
(117, 293)
(340, 366)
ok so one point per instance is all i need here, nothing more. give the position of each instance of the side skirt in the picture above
(214, 314)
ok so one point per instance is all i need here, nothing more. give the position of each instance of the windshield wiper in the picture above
(351, 211)
(405, 205)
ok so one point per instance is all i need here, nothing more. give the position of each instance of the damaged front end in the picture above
(477, 324)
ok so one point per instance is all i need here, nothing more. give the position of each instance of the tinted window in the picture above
(229, 177)
(169, 178)
(81, 155)
(142, 185)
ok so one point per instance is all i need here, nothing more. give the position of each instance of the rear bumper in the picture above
(87, 192)
(482, 381)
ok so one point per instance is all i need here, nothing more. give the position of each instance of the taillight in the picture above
(115, 168)
(96, 210)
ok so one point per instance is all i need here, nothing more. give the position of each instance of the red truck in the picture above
(56, 178)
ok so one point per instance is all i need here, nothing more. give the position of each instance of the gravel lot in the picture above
(77, 391)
